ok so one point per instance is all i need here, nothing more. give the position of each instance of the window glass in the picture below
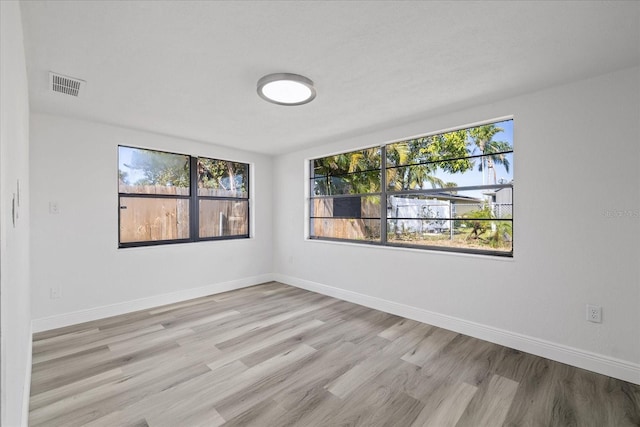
(447, 146)
(449, 191)
(347, 207)
(480, 170)
(222, 178)
(345, 163)
(353, 183)
(223, 218)
(159, 203)
(152, 172)
(152, 219)
(346, 228)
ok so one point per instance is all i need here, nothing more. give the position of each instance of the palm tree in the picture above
(493, 152)
(417, 162)
(357, 172)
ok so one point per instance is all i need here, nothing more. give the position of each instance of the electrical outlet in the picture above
(594, 313)
(54, 209)
(55, 292)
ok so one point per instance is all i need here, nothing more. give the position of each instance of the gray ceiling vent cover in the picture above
(65, 84)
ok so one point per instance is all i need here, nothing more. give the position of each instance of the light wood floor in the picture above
(274, 355)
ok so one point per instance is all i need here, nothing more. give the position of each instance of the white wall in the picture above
(576, 158)
(74, 163)
(14, 240)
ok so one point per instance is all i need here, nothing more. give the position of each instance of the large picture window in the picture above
(174, 198)
(450, 191)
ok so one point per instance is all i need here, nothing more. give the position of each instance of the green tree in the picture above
(123, 177)
(493, 152)
(415, 163)
(357, 172)
(161, 168)
(476, 220)
(222, 174)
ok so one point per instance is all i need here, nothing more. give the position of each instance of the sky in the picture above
(474, 177)
(124, 158)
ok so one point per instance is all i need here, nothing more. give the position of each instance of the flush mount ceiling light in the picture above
(286, 89)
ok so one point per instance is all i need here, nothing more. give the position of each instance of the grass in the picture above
(462, 238)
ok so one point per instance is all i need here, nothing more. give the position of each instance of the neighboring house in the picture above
(502, 202)
(433, 212)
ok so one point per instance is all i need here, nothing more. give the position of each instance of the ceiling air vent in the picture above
(65, 84)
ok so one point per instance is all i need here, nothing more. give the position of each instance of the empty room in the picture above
(320, 213)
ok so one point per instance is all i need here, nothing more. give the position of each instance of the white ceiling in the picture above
(190, 69)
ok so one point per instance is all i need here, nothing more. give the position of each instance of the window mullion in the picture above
(383, 195)
(194, 211)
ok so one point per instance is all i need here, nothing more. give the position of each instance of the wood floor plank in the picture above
(323, 406)
(429, 347)
(70, 372)
(490, 407)
(73, 389)
(199, 320)
(63, 340)
(244, 400)
(267, 322)
(72, 349)
(450, 407)
(100, 323)
(398, 329)
(148, 340)
(309, 382)
(271, 332)
(291, 387)
(249, 349)
(60, 372)
(169, 404)
(265, 413)
(533, 402)
(466, 359)
(372, 366)
(375, 402)
(340, 329)
(87, 406)
(275, 355)
(189, 304)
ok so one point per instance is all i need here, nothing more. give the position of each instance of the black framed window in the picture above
(223, 199)
(176, 198)
(346, 192)
(450, 191)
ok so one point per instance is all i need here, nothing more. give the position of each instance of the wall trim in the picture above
(601, 364)
(101, 312)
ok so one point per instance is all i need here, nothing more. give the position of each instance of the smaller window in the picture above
(175, 198)
(223, 198)
(154, 189)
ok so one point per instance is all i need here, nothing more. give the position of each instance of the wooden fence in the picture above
(223, 218)
(151, 219)
(346, 228)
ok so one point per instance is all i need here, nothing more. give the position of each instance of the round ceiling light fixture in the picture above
(286, 89)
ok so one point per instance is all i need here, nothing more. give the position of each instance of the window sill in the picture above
(415, 250)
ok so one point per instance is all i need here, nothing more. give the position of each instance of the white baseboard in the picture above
(81, 316)
(594, 362)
